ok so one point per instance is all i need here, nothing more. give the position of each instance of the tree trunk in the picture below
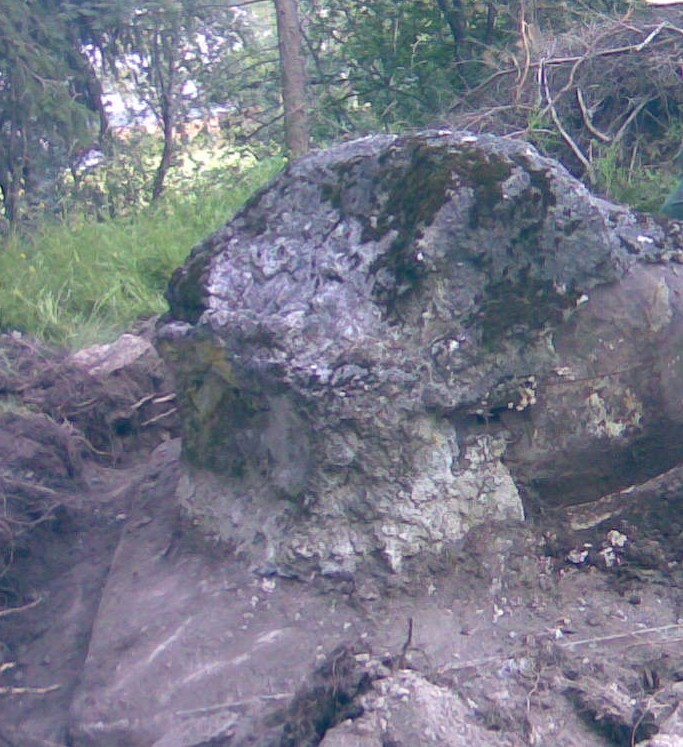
(13, 182)
(293, 72)
(9, 198)
(95, 93)
(168, 125)
(454, 15)
(491, 13)
(165, 58)
(89, 87)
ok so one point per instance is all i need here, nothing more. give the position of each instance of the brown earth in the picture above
(120, 626)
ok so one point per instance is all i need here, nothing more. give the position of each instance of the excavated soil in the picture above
(542, 635)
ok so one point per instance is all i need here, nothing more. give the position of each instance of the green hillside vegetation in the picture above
(78, 282)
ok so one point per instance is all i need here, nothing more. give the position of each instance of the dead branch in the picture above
(154, 399)
(560, 128)
(634, 113)
(527, 57)
(571, 59)
(31, 487)
(141, 402)
(10, 690)
(633, 499)
(588, 118)
(622, 87)
(163, 398)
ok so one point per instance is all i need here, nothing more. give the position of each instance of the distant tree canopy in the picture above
(369, 65)
(46, 103)
(57, 60)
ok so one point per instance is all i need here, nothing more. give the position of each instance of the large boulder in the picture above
(402, 337)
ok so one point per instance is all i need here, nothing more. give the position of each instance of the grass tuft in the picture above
(84, 282)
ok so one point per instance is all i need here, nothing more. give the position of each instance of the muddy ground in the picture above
(120, 626)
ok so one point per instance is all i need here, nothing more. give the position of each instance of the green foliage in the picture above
(391, 65)
(644, 188)
(248, 76)
(44, 105)
(121, 184)
(84, 282)
(381, 65)
(541, 131)
(58, 58)
(641, 177)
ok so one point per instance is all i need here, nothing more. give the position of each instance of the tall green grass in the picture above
(84, 282)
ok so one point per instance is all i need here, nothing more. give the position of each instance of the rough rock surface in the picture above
(402, 337)
(538, 365)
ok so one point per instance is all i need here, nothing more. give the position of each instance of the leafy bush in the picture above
(120, 184)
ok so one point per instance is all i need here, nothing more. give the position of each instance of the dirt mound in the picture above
(117, 399)
(118, 625)
(67, 425)
(110, 403)
(40, 468)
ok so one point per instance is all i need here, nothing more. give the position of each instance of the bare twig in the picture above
(15, 610)
(86, 404)
(654, 34)
(12, 482)
(159, 399)
(401, 660)
(634, 113)
(524, 33)
(141, 402)
(157, 418)
(533, 691)
(620, 636)
(46, 515)
(163, 398)
(636, 634)
(575, 60)
(233, 704)
(10, 690)
(639, 721)
(588, 119)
